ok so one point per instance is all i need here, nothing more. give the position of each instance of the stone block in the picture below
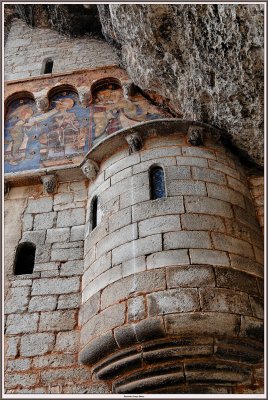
(177, 172)
(69, 245)
(12, 344)
(259, 254)
(201, 323)
(122, 164)
(233, 279)
(200, 162)
(225, 194)
(126, 173)
(98, 349)
(58, 235)
(187, 187)
(68, 301)
(36, 344)
(190, 276)
(67, 342)
(54, 361)
(224, 301)
(104, 321)
(208, 175)
(173, 301)
(133, 197)
(117, 238)
(125, 335)
(103, 280)
(21, 323)
(155, 208)
(240, 231)
(195, 222)
(198, 152)
(27, 222)
(247, 265)
(21, 282)
(133, 266)
(42, 254)
(41, 205)
(51, 266)
(145, 165)
(63, 198)
(25, 380)
(159, 224)
(77, 233)
(119, 219)
(160, 152)
(238, 186)
(186, 239)
(167, 258)
(257, 306)
(17, 300)
(136, 309)
(150, 329)
(45, 220)
(55, 286)
(89, 308)
(205, 205)
(49, 274)
(21, 364)
(43, 303)
(101, 265)
(63, 375)
(214, 257)
(71, 217)
(72, 268)
(57, 320)
(67, 254)
(137, 248)
(143, 282)
(36, 237)
(224, 168)
(246, 218)
(232, 245)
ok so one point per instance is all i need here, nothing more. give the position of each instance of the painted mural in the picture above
(65, 133)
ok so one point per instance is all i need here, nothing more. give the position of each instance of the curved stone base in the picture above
(181, 365)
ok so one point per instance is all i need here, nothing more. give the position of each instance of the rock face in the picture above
(204, 62)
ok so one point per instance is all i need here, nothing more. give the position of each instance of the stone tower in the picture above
(133, 241)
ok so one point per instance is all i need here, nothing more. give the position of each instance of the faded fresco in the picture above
(65, 133)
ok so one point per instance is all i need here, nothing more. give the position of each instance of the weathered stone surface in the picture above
(17, 300)
(43, 303)
(159, 224)
(55, 286)
(57, 320)
(71, 217)
(224, 300)
(18, 365)
(45, 220)
(41, 205)
(58, 235)
(13, 380)
(227, 39)
(136, 308)
(190, 276)
(21, 323)
(69, 301)
(167, 258)
(37, 344)
(67, 342)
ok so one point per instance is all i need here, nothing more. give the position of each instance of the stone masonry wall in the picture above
(256, 184)
(188, 264)
(27, 48)
(41, 309)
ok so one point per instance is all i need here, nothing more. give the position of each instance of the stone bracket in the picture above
(49, 183)
(90, 169)
(134, 141)
(195, 135)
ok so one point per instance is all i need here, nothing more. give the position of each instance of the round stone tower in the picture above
(172, 283)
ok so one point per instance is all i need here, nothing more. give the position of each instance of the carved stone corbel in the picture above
(90, 169)
(49, 183)
(134, 141)
(195, 135)
(42, 103)
(84, 96)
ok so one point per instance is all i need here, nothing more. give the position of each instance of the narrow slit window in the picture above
(24, 259)
(94, 212)
(157, 183)
(48, 66)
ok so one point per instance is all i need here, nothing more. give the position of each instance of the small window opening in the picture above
(48, 66)
(94, 212)
(24, 259)
(157, 183)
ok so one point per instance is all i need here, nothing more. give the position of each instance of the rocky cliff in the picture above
(202, 61)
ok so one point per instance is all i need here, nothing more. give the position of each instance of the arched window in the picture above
(48, 66)
(24, 259)
(94, 212)
(157, 183)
